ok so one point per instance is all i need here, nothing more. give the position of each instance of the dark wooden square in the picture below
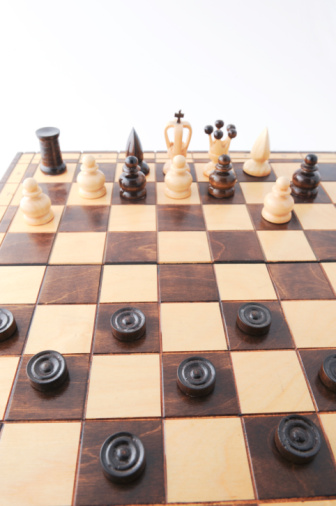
(131, 247)
(67, 403)
(70, 284)
(222, 401)
(278, 337)
(206, 198)
(178, 218)
(26, 248)
(321, 198)
(246, 178)
(159, 172)
(7, 218)
(85, 219)
(300, 281)
(312, 361)
(58, 192)
(323, 243)
(94, 489)
(187, 283)
(327, 171)
(31, 170)
(275, 477)
(22, 315)
(149, 199)
(235, 246)
(261, 224)
(109, 170)
(105, 342)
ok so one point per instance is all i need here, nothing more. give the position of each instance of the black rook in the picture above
(51, 157)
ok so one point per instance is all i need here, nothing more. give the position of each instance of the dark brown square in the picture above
(261, 224)
(149, 199)
(235, 246)
(7, 218)
(178, 218)
(106, 343)
(323, 243)
(275, 477)
(31, 170)
(160, 176)
(312, 361)
(85, 219)
(95, 489)
(67, 403)
(278, 337)
(58, 192)
(206, 198)
(109, 170)
(22, 315)
(131, 247)
(327, 171)
(187, 283)
(246, 178)
(222, 401)
(26, 248)
(70, 284)
(300, 281)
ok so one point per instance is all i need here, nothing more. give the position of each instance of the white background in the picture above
(96, 68)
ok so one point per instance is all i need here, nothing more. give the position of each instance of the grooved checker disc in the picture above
(196, 376)
(47, 370)
(327, 372)
(128, 324)
(7, 324)
(254, 319)
(297, 439)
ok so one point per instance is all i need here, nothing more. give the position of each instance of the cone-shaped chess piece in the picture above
(51, 157)
(178, 146)
(178, 179)
(279, 203)
(258, 165)
(307, 178)
(217, 147)
(91, 180)
(222, 180)
(35, 205)
(134, 148)
(132, 181)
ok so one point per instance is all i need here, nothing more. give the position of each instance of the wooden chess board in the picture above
(188, 265)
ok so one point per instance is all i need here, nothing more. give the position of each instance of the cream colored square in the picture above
(19, 225)
(129, 283)
(38, 463)
(286, 156)
(20, 284)
(66, 177)
(124, 386)
(71, 155)
(240, 154)
(7, 192)
(183, 247)
(330, 270)
(227, 217)
(163, 199)
(270, 382)
(78, 248)
(132, 219)
(150, 178)
(192, 327)
(8, 366)
(244, 282)
(26, 158)
(255, 193)
(18, 173)
(203, 155)
(75, 199)
(316, 216)
(330, 188)
(70, 326)
(285, 169)
(206, 460)
(199, 168)
(329, 423)
(110, 157)
(2, 237)
(37, 158)
(285, 246)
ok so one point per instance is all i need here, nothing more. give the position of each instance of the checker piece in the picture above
(196, 376)
(128, 324)
(254, 319)
(327, 372)
(297, 439)
(47, 370)
(7, 324)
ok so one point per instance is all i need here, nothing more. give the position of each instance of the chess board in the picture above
(188, 265)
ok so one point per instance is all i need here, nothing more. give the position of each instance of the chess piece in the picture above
(258, 165)
(7, 324)
(297, 439)
(178, 146)
(196, 376)
(217, 147)
(222, 180)
(91, 180)
(279, 203)
(132, 181)
(47, 371)
(51, 158)
(36, 206)
(134, 148)
(178, 179)
(307, 178)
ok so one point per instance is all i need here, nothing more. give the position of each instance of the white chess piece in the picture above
(91, 180)
(35, 205)
(258, 165)
(279, 203)
(178, 146)
(178, 179)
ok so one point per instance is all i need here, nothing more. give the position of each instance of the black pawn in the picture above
(222, 179)
(132, 181)
(307, 178)
(134, 148)
(51, 157)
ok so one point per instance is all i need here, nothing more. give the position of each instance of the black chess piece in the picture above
(51, 157)
(134, 148)
(132, 181)
(305, 180)
(222, 180)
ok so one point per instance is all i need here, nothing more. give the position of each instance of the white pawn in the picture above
(178, 179)
(258, 165)
(91, 180)
(35, 205)
(279, 203)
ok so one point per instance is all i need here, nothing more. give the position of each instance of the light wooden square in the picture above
(132, 219)
(330, 270)
(8, 366)
(199, 168)
(17, 173)
(329, 423)
(287, 156)
(192, 327)
(183, 247)
(330, 188)
(285, 246)
(70, 326)
(285, 169)
(75, 199)
(20, 284)
(244, 282)
(66, 177)
(200, 155)
(7, 193)
(163, 199)
(129, 283)
(123, 386)
(228, 217)
(255, 193)
(78, 248)
(206, 460)
(19, 225)
(26, 158)
(71, 155)
(109, 157)
(150, 178)
(316, 216)
(38, 463)
(270, 382)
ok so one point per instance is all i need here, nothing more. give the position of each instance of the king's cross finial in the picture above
(179, 115)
